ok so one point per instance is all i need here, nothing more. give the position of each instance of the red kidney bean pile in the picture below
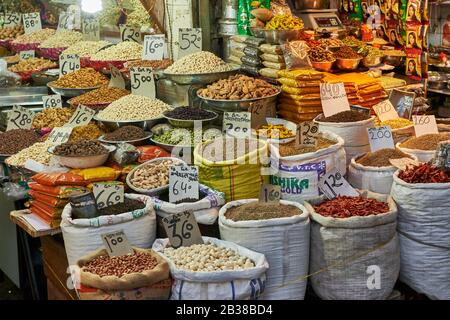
(121, 265)
(424, 173)
(346, 207)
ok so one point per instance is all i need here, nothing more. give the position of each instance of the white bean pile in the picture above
(123, 51)
(133, 107)
(62, 39)
(152, 175)
(199, 62)
(86, 48)
(37, 152)
(207, 257)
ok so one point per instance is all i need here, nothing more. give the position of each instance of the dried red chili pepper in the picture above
(345, 207)
(424, 173)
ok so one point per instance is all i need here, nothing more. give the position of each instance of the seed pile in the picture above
(345, 52)
(62, 39)
(86, 48)
(261, 211)
(380, 158)
(32, 64)
(88, 132)
(199, 62)
(125, 133)
(128, 205)
(123, 51)
(13, 141)
(346, 207)
(154, 64)
(186, 136)
(11, 32)
(290, 149)
(426, 142)
(187, 113)
(37, 152)
(424, 173)
(395, 123)
(83, 78)
(320, 54)
(346, 116)
(34, 37)
(103, 95)
(80, 148)
(52, 117)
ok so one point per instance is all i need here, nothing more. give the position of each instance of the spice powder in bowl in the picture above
(290, 148)
(380, 158)
(81, 148)
(425, 142)
(261, 211)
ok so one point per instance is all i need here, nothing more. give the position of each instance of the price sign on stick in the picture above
(385, 110)
(31, 22)
(183, 183)
(68, 63)
(60, 135)
(425, 124)
(269, 193)
(237, 124)
(117, 244)
(333, 184)
(380, 138)
(307, 133)
(12, 19)
(130, 34)
(189, 41)
(81, 117)
(182, 230)
(24, 55)
(108, 194)
(153, 47)
(116, 78)
(334, 98)
(19, 118)
(91, 28)
(143, 82)
(66, 21)
(52, 101)
(258, 110)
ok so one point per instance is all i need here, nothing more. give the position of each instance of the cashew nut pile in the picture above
(199, 62)
(37, 152)
(207, 257)
(123, 51)
(86, 48)
(153, 175)
(35, 37)
(61, 39)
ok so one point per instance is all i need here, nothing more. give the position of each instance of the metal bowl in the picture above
(348, 64)
(70, 92)
(170, 147)
(281, 36)
(394, 60)
(371, 61)
(135, 142)
(199, 78)
(144, 124)
(82, 162)
(189, 123)
(322, 66)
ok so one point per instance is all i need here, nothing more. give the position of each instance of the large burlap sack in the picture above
(82, 236)
(284, 242)
(355, 258)
(424, 230)
(218, 285)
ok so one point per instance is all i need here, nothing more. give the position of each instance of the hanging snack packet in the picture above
(414, 65)
(243, 17)
(355, 11)
(414, 38)
(413, 11)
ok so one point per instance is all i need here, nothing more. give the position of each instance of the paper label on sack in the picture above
(116, 78)
(91, 28)
(333, 184)
(117, 244)
(81, 117)
(24, 55)
(182, 229)
(307, 133)
(108, 194)
(130, 34)
(60, 135)
(68, 63)
(32, 22)
(270, 193)
(385, 111)
(380, 138)
(189, 41)
(258, 109)
(12, 19)
(402, 163)
(183, 183)
(153, 47)
(52, 101)
(334, 98)
(143, 82)
(237, 124)
(425, 124)
(19, 118)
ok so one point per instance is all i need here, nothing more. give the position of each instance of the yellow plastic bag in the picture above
(306, 90)
(301, 74)
(298, 83)
(298, 109)
(98, 174)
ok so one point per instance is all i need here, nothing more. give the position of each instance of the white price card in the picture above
(380, 138)
(81, 117)
(153, 48)
(108, 194)
(116, 78)
(68, 63)
(66, 21)
(258, 109)
(334, 98)
(270, 193)
(189, 41)
(183, 183)
(237, 124)
(31, 22)
(182, 229)
(60, 135)
(19, 118)
(333, 184)
(91, 28)
(12, 19)
(143, 82)
(52, 101)
(307, 133)
(117, 244)
(425, 124)
(130, 34)
(385, 110)
(24, 55)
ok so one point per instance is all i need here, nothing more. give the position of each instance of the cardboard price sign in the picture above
(52, 101)
(117, 244)
(425, 125)
(269, 193)
(143, 82)
(20, 118)
(60, 135)
(403, 102)
(91, 28)
(116, 78)
(66, 21)
(81, 117)
(258, 109)
(153, 47)
(307, 133)
(183, 183)
(108, 194)
(333, 184)
(68, 63)
(385, 110)
(11, 19)
(334, 98)
(237, 124)
(189, 41)
(380, 138)
(130, 34)
(31, 22)
(182, 230)
(24, 55)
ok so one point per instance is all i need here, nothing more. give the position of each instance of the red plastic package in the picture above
(150, 152)
(47, 199)
(59, 179)
(63, 192)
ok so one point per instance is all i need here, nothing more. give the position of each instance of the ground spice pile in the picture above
(261, 211)
(346, 207)
(424, 173)
(425, 142)
(380, 158)
(290, 149)
(346, 116)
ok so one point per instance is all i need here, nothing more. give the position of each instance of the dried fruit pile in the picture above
(424, 173)
(346, 207)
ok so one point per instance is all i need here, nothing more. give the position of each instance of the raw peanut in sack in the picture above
(59, 179)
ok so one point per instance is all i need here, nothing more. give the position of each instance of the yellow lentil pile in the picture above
(394, 123)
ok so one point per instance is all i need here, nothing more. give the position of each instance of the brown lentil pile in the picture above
(290, 149)
(102, 95)
(345, 52)
(121, 265)
(346, 116)
(13, 141)
(426, 142)
(81, 148)
(261, 211)
(83, 78)
(87, 132)
(228, 149)
(52, 117)
(380, 158)
(125, 133)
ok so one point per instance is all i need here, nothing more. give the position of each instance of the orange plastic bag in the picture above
(49, 200)
(57, 191)
(59, 179)
(151, 152)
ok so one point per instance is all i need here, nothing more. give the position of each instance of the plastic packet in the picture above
(280, 7)
(147, 153)
(252, 51)
(295, 54)
(237, 53)
(251, 70)
(8, 78)
(59, 179)
(274, 65)
(98, 174)
(14, 191)
(270, 48)
(251, 61)
(253, 41)
(269, 73)
(272, 57)
(125, 154)
(58, 191)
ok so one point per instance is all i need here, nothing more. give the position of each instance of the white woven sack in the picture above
(354, 258)
(219, 285)
(284, 242)
(424, 229)
(422, 155)
(83, 236)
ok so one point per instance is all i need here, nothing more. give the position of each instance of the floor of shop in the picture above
(8, 290)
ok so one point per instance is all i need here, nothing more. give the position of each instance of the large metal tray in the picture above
(70, 92)
(22, 95)
(200, 78)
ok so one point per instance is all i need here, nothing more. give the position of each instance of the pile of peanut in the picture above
(35, 37)
(238, 87)
(199, 62)
(102, 95)
(83, 78)
(153, 175)
(52, 118)
(10, 32)
(86, 48)
(123, 51)
(32, 64)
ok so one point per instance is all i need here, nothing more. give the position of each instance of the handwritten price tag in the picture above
(116, 78)
(189, 41)
(269, 193)
(237, 124)
(24, 55)
(153, 47)
(68, 63)
(91, 28)
(385, 110)
(12, 19)
(403, 102)
(66, 21)
(117, 244)
(425, 125)
(108, 194)
(258, 110)
(81, 117)
(20, 118)
(182, 230)
(334, 98)
(183, 183)
(143, 82)
(333, 184)
(130, 34)
(52, 101)
(380, 138)
(307, 133)
(60, 135)
(31, 22)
